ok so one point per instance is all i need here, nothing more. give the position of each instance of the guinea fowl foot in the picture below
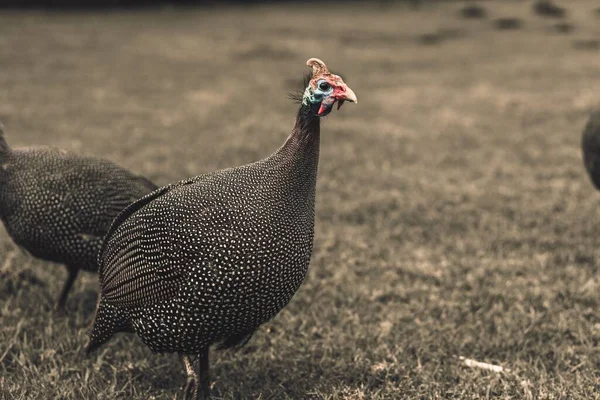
(190, 390)
(196, 387)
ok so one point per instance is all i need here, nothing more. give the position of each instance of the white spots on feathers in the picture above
(210, 259)
(58, 206)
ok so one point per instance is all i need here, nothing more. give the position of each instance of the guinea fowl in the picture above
(209, 259)
(58, 206)
(590, 145)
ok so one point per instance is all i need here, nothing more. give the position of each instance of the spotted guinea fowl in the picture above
(209, 259)
(58, 206)
(590, 144)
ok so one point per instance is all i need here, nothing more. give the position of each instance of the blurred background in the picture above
(82, 4)
(454, 216)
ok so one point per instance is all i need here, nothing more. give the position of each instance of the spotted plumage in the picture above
(590, 144)
(58, 206)
(209, 259)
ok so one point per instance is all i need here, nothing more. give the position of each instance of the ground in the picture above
(454, 217)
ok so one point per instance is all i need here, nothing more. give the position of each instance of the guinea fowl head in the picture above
(324, 89)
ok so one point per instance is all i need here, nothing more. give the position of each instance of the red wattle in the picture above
(322, 109)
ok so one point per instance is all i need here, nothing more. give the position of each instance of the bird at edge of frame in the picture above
(590, 145)
(57, 206)
(209, 259)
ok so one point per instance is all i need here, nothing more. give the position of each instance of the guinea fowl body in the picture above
(590, 144)
(209, 259)
(58, 206)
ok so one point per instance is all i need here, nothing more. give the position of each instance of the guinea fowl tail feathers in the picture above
(108, 321)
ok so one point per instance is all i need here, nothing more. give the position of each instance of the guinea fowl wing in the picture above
(146, 253)
(124, 259)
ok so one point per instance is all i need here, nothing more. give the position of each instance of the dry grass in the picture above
(454, 217)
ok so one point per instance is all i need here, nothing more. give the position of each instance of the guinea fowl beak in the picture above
(350, 96)
(347, 95)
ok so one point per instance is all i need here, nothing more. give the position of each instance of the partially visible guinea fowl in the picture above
(209, 259)
(58, 206)
(590, 144)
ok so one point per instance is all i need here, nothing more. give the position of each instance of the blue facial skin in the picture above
(319, 96)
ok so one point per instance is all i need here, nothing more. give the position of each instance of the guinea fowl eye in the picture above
(324, 86)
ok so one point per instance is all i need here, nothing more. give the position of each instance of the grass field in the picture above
(454, 216)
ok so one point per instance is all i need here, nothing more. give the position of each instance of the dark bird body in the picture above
(58, 206)
(210, 259)
(223, 252)
(590, 144)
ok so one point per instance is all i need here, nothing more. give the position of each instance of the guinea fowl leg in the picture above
(190, 390)
(204, 392)
(62, 299)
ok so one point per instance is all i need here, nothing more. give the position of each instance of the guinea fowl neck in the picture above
(299, 155)
(305, 137)
(301, 149)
